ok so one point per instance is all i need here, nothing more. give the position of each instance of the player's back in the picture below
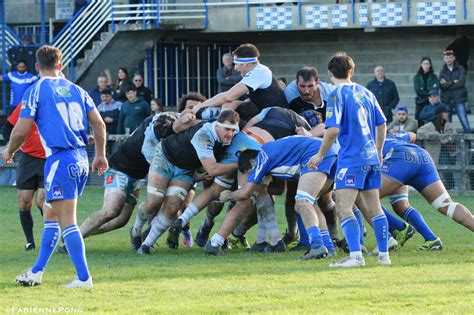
(355, 111)
(59, 109)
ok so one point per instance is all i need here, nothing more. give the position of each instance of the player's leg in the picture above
(439, 198)
(176, 193)
(309, 186)
(328, 208)
(40, 198)
(25, 199)
(292, 232)
(266, 213)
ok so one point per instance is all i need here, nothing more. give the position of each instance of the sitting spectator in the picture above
(109, 110)
(155, 106)
(452, 81)
(102, 84)
(444, 149)
(133, 112)
(142, 91)
(424, 81)
(385, 91)
(402, 122)
(429, 112)
(122, 82)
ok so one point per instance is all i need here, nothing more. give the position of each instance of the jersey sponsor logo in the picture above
(109, 180)
(386, 167)
(57, 192)
(64, 91)
(350, 180)
(369, 150)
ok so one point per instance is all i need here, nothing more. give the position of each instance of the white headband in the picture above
(228, 126)
(238, 60)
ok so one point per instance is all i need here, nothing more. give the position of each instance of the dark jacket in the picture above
(120, 93)
(145, 93)
(227, 78)
(132, 115)
(95, 95)
(386, 94)
(422, 88)
(453, 93)
(428, 113)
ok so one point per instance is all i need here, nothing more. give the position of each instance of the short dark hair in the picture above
(191, 96)
(246, 51)
(48, 57)
(163, 126)
(340, 65)
(244, 159)
(131, 87)
(107, 91)
(306, 73)
(247, 110)
(21, 61)
(228, 115)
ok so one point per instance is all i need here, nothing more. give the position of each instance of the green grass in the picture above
(187, 281)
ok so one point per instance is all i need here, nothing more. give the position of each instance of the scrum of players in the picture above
(323, 145)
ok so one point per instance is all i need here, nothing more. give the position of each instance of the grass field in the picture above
(187, 281)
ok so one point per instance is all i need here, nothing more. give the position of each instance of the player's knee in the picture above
(24, 203)
(445, 205)
(303, 201)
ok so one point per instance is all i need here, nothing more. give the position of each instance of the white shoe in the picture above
(392, 245)
(384, 260)
(30, 279)
(349, 262)
(78, 284)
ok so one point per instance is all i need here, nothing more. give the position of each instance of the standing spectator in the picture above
(142, 91)
(122, 82)
(156, 106)
(109, 110)
(429, 112)
(402, 122)
(102, 84)
(227, 76)
(20, 80)
(460, 46)
(385, 91)
(424, 81)
(452, 79)
(133, 112)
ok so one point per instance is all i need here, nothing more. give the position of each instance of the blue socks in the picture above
(394, 223)
(314, 235)
(49, 239)
(380, 226)
(304, 240)
(75, 247)
(327, 240)
(351, 231)
(360, 221)
(416, 220)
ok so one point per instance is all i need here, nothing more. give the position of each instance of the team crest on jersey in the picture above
(350, 180)
(359, 98)
(57, 192)
(64, 91)
(109, 180)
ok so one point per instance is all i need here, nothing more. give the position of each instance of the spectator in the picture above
(282, 83)
(102, 84)
(156, 106)
(460, 46)
(429, 112)
(227, 76)
(133, 112)
(385, 91)
(20, 80)
(109, 110)
(424, 81)
(443, 150)
(142, 91)
(452, 81)
(402, 121)
(122, 83)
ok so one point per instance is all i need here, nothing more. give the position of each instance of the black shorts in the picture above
(30, 173)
